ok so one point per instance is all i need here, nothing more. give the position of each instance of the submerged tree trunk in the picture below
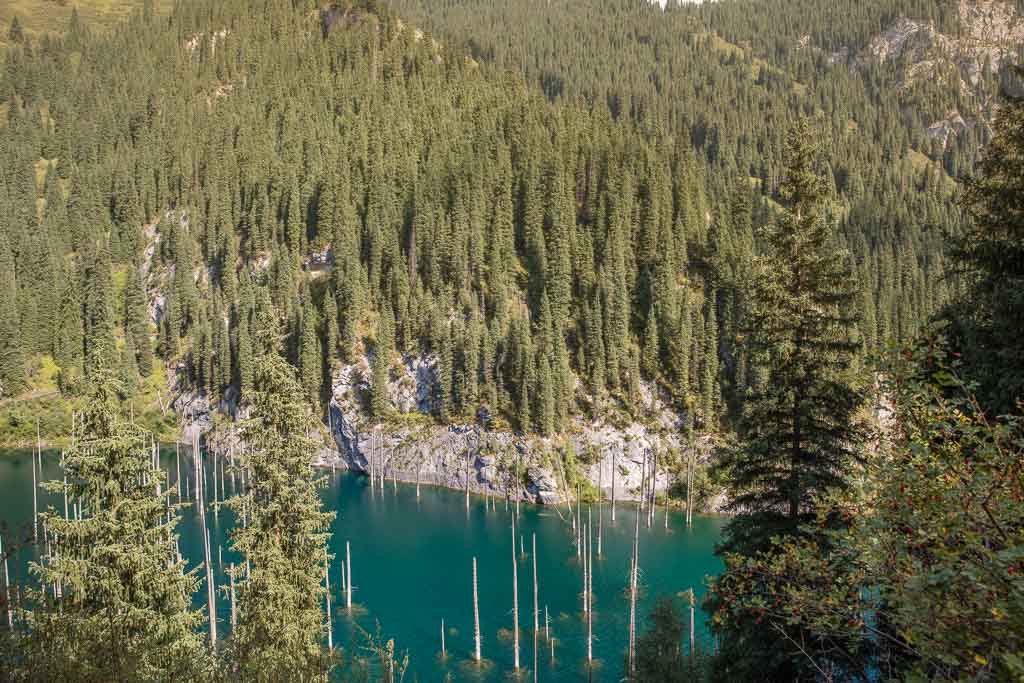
(476, 615)
(348, 575)
(632, 594)
(515, 598)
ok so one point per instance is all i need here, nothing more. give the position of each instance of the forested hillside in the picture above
(730, 240)
(179, 183)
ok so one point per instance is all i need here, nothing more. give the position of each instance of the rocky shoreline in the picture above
(414, 448)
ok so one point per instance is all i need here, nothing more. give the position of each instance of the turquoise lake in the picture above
(412, 567)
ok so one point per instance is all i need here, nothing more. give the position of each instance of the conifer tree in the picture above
(99, 317)
(280, 615)
(124, 611)
(989, 318)
(136, 320)
(12, 361)
(310, 353)
(380, 399)
(799, 434)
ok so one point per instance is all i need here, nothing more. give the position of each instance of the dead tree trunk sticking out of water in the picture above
(177, 466)
(693, 604)
(653, 486)
(234, 613)
(348, 576)
(476, 616)
(7, 588)
(443, 653)
(590, 594)
(613, 485)
(216, 507)
(35, 485)
(467, 482)
(536, 610)
(231, 468)
(536, 602)
(327, 596)
(515, 598)
(632, 594)
(519, 462)
(210, 591)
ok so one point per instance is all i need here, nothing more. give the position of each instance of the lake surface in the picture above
(412, 567)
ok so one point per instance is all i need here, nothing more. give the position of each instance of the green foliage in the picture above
(989, 316)
(120, 577)
(12, 360)
(800, 435)
(938, 517)
(661, 656)
(284, 542)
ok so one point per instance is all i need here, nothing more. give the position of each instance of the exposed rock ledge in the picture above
(415, 448)
(493, 462)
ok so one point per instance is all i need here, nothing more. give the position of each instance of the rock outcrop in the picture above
(414, 448)
(990, 36)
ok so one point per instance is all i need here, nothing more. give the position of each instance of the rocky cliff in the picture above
(413, 447)
(989, 38)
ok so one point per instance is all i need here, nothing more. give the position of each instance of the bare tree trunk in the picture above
(216, 507)
(590, 594)
(7, 587)
(653, 488)
(348, 576)
(693, 602)
(35, 486)
(632, 594)
(614, 462)
(583, 548)
(600, 508)
(536, 609)
(327, 596)
(210, 591)
(443, 652)
(177, 466)
(515, 597)
(476, 615)
(234, 613)
(536, 603)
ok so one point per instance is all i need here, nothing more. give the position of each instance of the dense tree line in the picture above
(290, 186)
(382, 195)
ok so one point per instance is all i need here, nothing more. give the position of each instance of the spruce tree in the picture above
(136, 319)
(380, 399)
(12, 361)
(989, 317)
(284, 542)
(799, 434)
(124, 611)
(310, 353)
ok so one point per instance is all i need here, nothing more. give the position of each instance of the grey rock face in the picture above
(413, 447)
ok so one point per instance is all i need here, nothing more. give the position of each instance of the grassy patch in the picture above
(923, 164)
(44, 403)
(38, 17)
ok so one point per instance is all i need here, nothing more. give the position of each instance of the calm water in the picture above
(412, 566)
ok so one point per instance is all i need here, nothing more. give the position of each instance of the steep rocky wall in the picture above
(494, 462)
(413, 447)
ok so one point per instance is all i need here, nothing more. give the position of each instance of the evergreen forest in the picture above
(567, 207)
